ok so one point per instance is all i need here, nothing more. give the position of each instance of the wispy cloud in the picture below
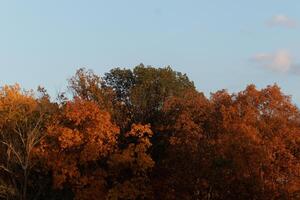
(279, 61)
(282, 21)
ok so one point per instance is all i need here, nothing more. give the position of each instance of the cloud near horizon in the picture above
(280, 61)
(282, 21)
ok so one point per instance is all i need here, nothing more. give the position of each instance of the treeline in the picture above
(147, 133)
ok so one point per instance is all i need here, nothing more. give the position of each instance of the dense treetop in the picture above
(147, 133)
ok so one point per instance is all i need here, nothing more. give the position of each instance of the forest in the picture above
(147, 133)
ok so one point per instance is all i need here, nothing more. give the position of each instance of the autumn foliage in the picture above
(147, 133)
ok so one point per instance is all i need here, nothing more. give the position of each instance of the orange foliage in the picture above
(80, 137)
(81, 150)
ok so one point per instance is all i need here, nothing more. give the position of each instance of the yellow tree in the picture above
(21, 129)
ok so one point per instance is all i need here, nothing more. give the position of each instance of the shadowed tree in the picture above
(179, 173)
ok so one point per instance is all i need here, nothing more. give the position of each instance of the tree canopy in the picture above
(147, 133)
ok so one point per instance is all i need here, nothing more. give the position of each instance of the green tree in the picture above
(144, 89)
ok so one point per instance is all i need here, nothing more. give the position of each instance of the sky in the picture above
(219, 44)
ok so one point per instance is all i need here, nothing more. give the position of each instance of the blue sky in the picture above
(219, 44)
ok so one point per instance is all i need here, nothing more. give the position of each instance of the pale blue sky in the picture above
(218, 43)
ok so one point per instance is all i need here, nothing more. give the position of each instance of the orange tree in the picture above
(233, 146)
(79, 140)
(83, 154)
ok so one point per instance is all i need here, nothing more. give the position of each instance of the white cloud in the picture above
(280, 61)
(282, 21)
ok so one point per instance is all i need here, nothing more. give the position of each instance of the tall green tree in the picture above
(144, 89)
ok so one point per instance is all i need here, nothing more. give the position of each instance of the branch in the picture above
(14, 151)
(5, 169)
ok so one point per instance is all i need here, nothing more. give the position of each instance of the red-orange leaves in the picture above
(256, 131)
